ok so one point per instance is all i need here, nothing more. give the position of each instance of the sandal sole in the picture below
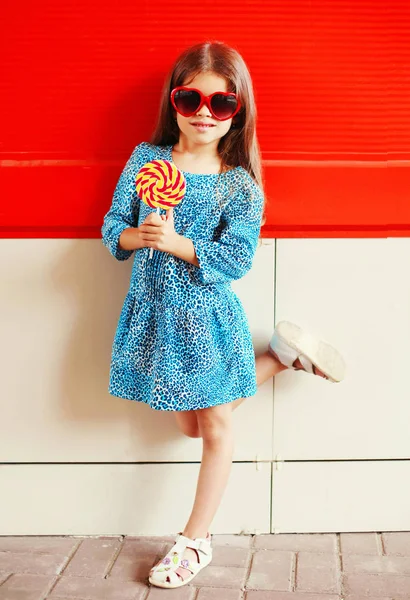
(162, 584)
(324, 356)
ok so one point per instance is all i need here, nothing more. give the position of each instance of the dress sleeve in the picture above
(230, 256)
(124, 207)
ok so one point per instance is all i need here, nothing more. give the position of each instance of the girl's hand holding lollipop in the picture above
(160, 184)
(157, 231)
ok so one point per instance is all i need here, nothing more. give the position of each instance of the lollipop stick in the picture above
(152, 249)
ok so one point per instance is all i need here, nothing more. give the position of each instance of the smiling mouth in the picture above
(202, 125)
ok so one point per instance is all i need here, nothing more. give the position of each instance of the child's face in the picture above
(207, 83)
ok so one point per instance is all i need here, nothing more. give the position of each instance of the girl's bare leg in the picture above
(214, 425)
(215, 428)
(267, 366)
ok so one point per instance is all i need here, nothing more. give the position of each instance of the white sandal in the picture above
(289, 343)
(164, 575)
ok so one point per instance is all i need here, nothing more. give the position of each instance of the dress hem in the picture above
(243, 395)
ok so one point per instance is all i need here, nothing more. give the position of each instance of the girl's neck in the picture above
(196, 159)
(205, 152)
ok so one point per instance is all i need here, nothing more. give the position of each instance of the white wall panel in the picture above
(355, 293)
(349, 496)
(113, 499)
(253, 418)
(394, 342)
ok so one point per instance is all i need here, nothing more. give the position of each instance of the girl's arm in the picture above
(231, 255)
(122, 218)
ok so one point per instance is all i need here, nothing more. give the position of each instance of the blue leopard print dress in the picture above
(183, 340)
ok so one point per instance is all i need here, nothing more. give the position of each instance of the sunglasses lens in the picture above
(223, 106)
(187, 101)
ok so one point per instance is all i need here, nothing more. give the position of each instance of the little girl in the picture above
(183, 342)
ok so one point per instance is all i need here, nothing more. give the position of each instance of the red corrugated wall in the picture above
(332, 85)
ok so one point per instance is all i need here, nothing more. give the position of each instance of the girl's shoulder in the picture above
(246, 178)
(147, 152)
(142, 153)
(143, 150)
(245, 185)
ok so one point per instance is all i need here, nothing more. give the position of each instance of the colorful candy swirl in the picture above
(160, 184)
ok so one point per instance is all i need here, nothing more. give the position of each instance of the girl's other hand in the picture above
(130, 239)
(158, 231)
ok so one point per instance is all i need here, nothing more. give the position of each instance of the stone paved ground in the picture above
(350, 566)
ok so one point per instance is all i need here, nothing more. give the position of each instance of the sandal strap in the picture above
(173, 576)
(306, 363)
(197, 544)
(284, 352)
(204, 547)
(288, 355)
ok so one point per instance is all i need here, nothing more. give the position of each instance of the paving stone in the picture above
(4, 575)
(39, 544)
(256, 595)
(92, 558)
(25, 587)
(97, 589)
(224, 577)
(150, 539)
(237, 541)
(271, 570)
(309, 542)
(218, 594)
(317, 573)
(136, 558)
(230, 556)
(354, 597)
(37, 564)
(359, 543)
(362, 563)
(397, 542)
(149, 547)
(376, 586)
(132, 568)
(186, 592)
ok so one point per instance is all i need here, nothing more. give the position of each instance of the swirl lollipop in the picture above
(160, 184)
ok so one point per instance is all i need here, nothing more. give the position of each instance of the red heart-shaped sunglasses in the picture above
(187, 101)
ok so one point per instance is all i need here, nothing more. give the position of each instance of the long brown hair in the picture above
(239, 146)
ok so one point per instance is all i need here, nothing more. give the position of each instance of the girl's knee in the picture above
(215, 422)
(188, 423)
(193, 434)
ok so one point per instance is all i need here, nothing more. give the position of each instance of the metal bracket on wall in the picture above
(278, 462)
(258, 463)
